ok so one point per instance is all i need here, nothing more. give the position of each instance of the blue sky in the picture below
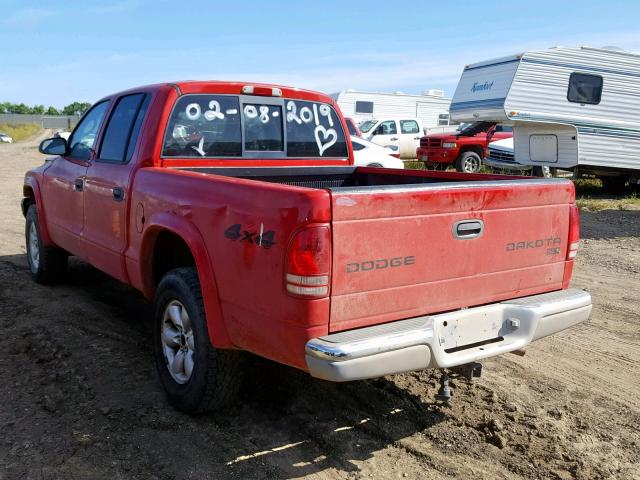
(58, 52)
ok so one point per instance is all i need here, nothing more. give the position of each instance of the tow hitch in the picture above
(469, 371)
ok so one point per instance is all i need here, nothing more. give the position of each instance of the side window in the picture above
(83, 137)
(364, 107)
(409, 126)
(584, 88)
(263, 128)
(503, 128)
(118, 135)
(314, 130)
(204, 126)
(387, 128)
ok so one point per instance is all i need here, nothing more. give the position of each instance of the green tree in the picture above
(19, 108)
(76, 108)
(37, 109)
(52, 111)
(4, 107)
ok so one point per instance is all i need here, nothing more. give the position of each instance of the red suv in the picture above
(464, 148)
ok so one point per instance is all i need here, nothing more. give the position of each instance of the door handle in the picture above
(466, 229)
(118, 194)
(393, 139)
(78, 184)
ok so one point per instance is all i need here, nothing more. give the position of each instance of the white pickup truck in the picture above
(400, 134)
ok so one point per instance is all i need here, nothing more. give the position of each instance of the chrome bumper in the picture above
(445, 340)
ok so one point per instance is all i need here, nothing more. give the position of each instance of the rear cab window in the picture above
(240, 126)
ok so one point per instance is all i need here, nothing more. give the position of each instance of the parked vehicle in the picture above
(501, 159)
(464, 149)
(431, 108)
(572, 108)
(352, 127)
(399, 134)
(369, 154)
(237, 209)
(5, 138)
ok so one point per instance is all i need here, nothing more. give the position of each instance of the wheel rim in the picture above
(471, 165)
(178, 345)
(34, 247)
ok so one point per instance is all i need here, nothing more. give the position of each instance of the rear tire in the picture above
(47, 264)
(196, 377)
(468, 162)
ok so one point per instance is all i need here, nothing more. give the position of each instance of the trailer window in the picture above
(364, 107)
(204, 126)
(314, 130)
(584, 88)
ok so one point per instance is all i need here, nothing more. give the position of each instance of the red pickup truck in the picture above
(236, 208)
(464, 149)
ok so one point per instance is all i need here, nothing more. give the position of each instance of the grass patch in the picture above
(630, 202)
(414, 165)
(20, 131)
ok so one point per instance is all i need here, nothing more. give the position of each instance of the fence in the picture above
(64, 122)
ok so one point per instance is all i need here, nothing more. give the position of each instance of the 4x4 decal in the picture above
(263, 239)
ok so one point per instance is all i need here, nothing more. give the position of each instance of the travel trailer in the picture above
(431, 108)
(571, 108)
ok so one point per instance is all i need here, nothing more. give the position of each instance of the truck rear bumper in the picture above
(445, 340)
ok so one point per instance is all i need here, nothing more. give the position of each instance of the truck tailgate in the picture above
(404, 251)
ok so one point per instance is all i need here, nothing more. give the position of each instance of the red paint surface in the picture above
(243, 283)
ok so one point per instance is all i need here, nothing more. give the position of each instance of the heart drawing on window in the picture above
(329, 138)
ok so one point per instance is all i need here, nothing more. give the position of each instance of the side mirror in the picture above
(53, 146)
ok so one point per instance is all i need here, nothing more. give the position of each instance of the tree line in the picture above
(75, 108)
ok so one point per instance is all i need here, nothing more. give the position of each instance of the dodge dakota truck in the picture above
(464, 149)
(237, 210)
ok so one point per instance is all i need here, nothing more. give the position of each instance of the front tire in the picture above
(196, 377)
(468, 162)
(47, 264)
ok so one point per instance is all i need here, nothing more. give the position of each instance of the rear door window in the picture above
(204, 126)
(409, 126)
(121, 129)
(314, 130)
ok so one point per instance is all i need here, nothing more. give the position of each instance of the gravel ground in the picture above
(80, 397)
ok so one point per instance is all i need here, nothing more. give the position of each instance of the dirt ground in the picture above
(79, 397)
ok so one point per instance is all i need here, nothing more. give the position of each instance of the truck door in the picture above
(107, 184)
(409, 138)
(386, 134)
(64, 182)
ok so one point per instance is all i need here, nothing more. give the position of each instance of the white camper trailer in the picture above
(431, 108)
(571, 108)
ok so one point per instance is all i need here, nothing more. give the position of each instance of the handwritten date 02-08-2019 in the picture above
(325, 136)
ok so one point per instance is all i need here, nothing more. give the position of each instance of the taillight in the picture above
(308, 264)
(574, 232)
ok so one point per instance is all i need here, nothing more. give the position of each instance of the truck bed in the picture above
(349, 178)
(409, 243)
